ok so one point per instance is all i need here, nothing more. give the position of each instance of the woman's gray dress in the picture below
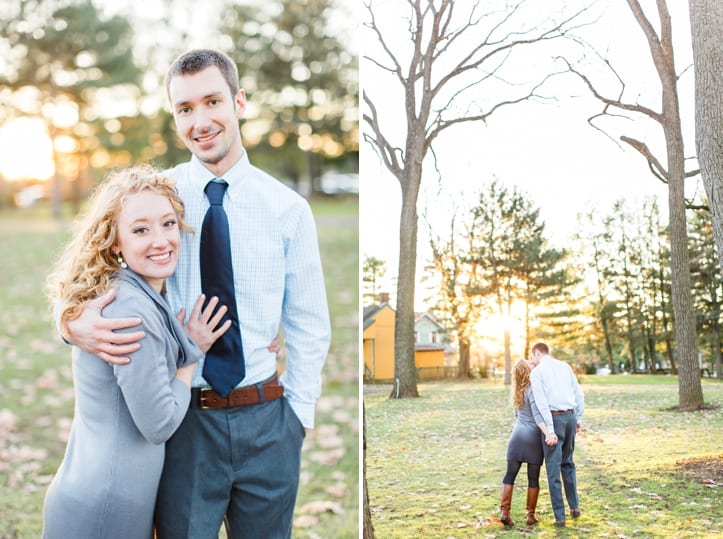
(106, 485)
(525, 444)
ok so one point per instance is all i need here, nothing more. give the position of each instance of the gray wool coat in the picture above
(106, 485)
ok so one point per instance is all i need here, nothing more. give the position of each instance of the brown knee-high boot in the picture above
(505, 504)
(532, 494)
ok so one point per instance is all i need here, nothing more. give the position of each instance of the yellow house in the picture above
(378, 344)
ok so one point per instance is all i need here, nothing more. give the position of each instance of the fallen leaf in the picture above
(321, 506)
(305, 521)
(337, 490)
(329, 458)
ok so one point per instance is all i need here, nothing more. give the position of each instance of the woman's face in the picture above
(148, 236)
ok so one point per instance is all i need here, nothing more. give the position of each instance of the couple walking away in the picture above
(548, 406)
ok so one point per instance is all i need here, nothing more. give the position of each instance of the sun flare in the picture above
(27, 152)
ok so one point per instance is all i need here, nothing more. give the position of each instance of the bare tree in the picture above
(448, 56)
(459, 303)
(368, 527)
(674, 175)
(706, 21)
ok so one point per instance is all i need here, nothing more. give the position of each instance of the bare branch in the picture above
(591, 119)
(610, 102)
(439, 37)
(661, 47)
(448, 39)
(696, 207)
(655, 173)
(645, 24)
(439, 124)
(468, 64)
(656, 168)
(397, 69)
(455, 95)
(417, 61)
(391, 155)
(680, 76)
(436, 168)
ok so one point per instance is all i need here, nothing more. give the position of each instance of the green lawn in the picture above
(36, 396)
(435, 464)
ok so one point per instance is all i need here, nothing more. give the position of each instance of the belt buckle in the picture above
(202, 400)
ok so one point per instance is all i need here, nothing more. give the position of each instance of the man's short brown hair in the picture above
(197, 60)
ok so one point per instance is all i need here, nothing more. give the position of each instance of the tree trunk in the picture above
(631, 340)
(671, 356)
(508, 358)
(666, 328)
(651, 350)
(463, 369)
(315, 166)
(608, 344)
(706, 21)
(368, 527)
(718, 356)
(690, 392)
(405, 371)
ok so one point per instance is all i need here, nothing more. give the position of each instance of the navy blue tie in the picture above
(224, 366)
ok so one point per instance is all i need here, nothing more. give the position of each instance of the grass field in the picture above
(435, 464)
(36, 395)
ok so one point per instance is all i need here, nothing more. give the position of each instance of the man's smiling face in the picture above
(206, 116)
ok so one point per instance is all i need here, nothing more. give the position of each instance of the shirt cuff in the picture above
(304, 411)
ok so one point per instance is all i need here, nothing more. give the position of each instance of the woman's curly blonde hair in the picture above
(521, 381)
(86, 267)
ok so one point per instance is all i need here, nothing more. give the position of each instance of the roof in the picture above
(429, 347)
(370, 312)
(429, 316)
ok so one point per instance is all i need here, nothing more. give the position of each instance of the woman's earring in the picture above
(122, 262)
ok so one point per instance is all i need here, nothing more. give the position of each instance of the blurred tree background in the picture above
(81, 93)
(81, 88)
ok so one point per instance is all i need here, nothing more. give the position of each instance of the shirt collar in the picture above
(200, 175)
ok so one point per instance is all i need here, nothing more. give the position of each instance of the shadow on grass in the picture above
(435, 464)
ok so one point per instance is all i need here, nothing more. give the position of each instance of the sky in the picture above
(546, 150)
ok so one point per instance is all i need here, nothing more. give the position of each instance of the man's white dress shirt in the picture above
(554, 387)
(277, 272)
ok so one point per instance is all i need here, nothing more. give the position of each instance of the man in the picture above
(561, 403)
(237, 454)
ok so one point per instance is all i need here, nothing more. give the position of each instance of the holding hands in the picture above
(551, 439)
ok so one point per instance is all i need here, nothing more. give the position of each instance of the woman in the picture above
(524, 446)
(128, 239)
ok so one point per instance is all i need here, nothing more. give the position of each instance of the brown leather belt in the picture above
(205, 399)
(561, 412)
